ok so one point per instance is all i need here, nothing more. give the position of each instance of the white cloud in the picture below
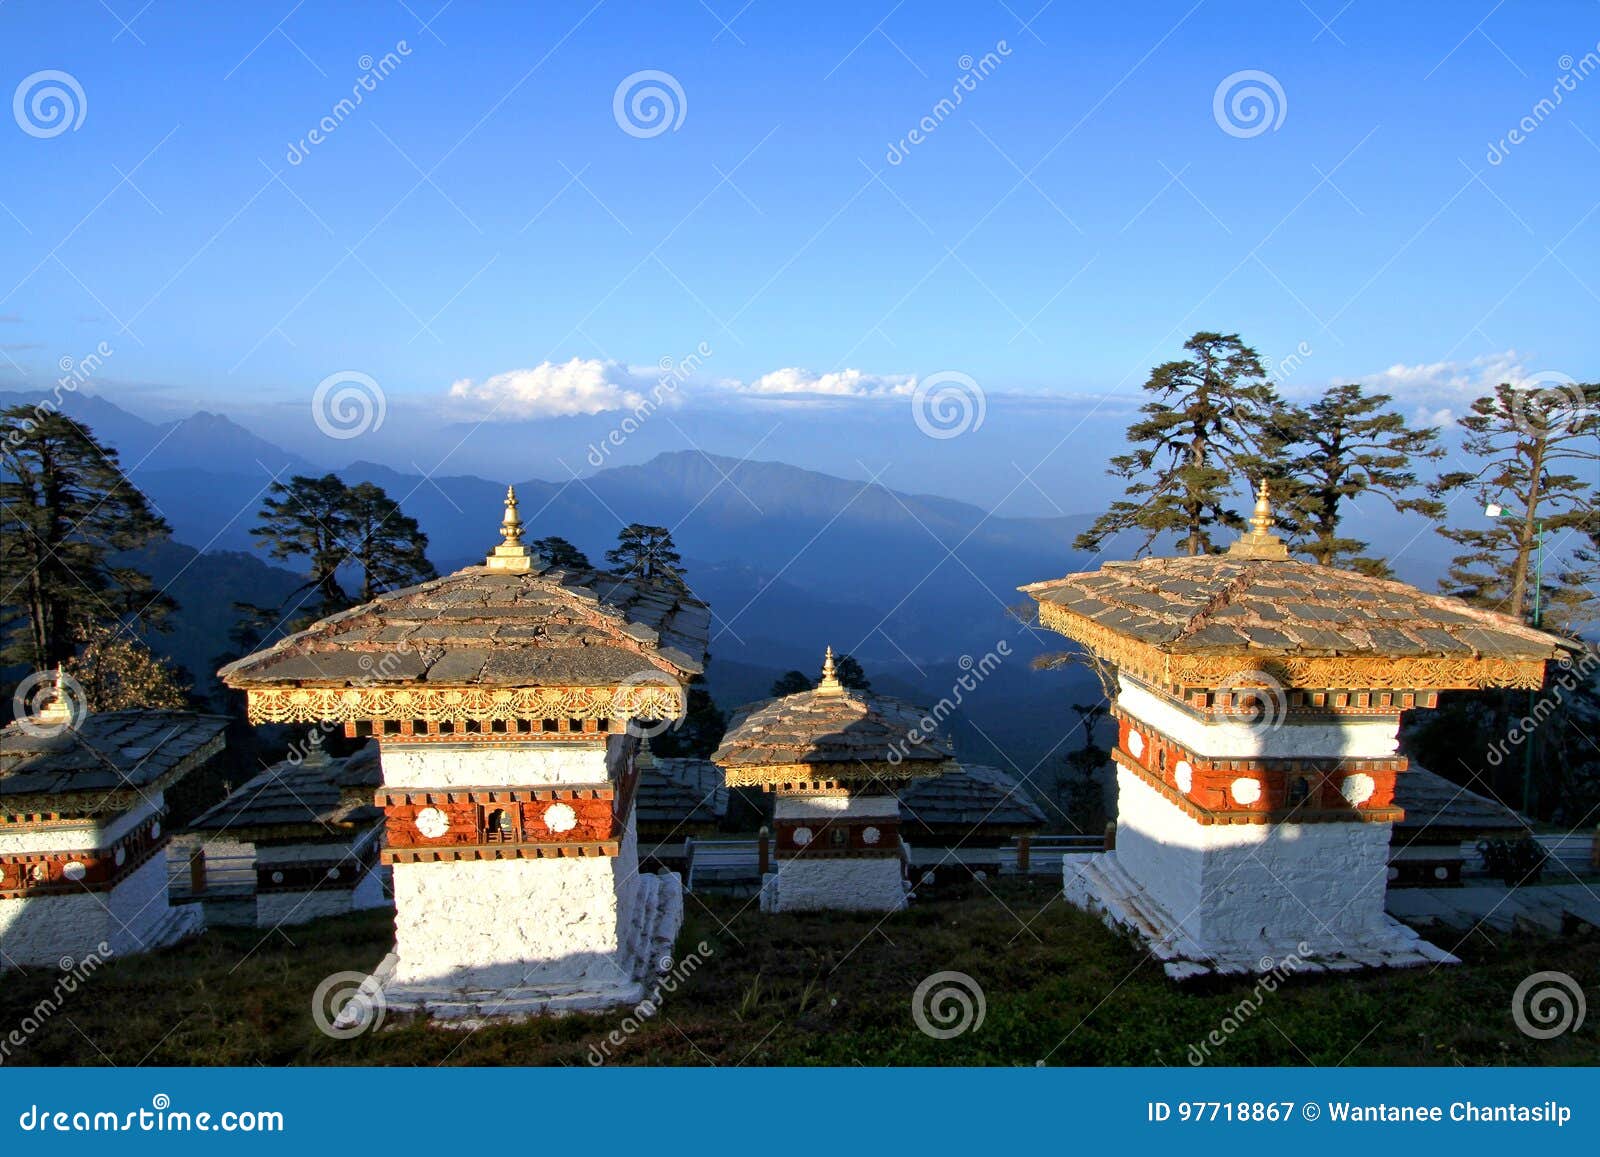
(552, 390)
(1443, 390)
(842, 384)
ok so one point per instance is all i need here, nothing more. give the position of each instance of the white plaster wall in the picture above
(84, 837)
(1261, 885)
(43, 929)
(832, 807)
(501, 923)
(368, 893)
(1365, 739)
(845, 884)
(278, 908)
(439, 765)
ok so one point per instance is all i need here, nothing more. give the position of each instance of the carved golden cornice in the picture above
(1354, 672)
(830, 778)
(463, 704)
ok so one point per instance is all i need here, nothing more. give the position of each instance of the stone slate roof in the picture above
(1228, 603)
(548, 627)
(681, 792)
(293, 796)
(1438, 810)
(110, 751)
(829, 727)
(970, 796)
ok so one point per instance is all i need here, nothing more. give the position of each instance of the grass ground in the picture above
(827, 989)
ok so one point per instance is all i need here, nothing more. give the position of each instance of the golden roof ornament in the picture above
(59, 707)
(510, 555)
(830, 676)
(1259, 541)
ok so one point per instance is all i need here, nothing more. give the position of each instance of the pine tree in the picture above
(646, 552)
(66, 509)
(1203, 432)
(1346, 444)
(386, 544)
(307, 518)
(332, 525)
(1541, 471)
(558, 552)
(790, 683)
(849, 672)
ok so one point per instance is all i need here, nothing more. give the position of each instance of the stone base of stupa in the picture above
(1100, 885)
(839, 884)
(515, 991)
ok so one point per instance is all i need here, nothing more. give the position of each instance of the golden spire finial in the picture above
(1259, 541)
(511, 524)
(830, 676)
(511, 554)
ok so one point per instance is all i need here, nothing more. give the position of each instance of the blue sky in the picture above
(1064, 228)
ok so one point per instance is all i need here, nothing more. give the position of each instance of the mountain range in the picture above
(791, 560)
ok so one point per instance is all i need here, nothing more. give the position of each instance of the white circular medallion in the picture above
(1245, 790)
(39, 873)
(1184, 774)
(1358, 788)
(277, 877)
(1394, 873)
(559, 817)
(802, 836)
(1441, 873)
(432, 822)
(333, 873)
(1136, 743)
(73, 870)
(870, 836)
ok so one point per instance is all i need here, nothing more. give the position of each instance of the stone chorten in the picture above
(835, 758)
(83, 830)
(1258, 705)
(503, 698)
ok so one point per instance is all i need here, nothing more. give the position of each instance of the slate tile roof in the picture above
(970, 797)
(109, 751)
(1227, 603)
(681, 792)
(830, 727)
(1438, 810)
(546, 627)
(301, 795)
